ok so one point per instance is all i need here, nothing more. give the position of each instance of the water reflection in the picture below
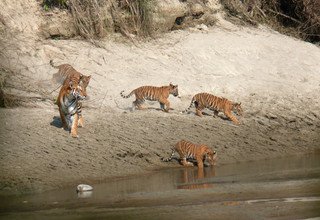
(83, 195)
(191, 178)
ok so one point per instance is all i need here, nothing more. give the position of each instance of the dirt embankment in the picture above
(275, 77)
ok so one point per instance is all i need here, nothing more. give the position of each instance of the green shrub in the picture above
(54, 3)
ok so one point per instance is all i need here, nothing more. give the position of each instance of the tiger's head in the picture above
(236, 107)
(210, 156)
(84, 81)
(77, 91)
(173, 89)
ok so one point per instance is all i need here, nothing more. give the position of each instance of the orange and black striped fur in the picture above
(67, 73)
(68, 102)
(153, 93)
(188, 150)
(216, 104)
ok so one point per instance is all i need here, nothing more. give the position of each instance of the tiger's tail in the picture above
(190, 106)
(170, 158)
(126, 96)
(52, 64)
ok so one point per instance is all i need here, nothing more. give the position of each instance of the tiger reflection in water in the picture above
(190, 178)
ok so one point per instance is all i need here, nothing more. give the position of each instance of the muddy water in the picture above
(283, 188)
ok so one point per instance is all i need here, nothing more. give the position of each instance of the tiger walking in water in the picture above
(217, 104)
(188, 150)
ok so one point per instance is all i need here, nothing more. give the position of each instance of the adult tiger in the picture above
(153, 93)
(68, 102)
(217, 104)
(67, 73)
(188, 150)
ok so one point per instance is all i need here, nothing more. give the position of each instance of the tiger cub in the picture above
(217, 104)
(67, 73)
(68, 102)
(153, 93)
(188, 150)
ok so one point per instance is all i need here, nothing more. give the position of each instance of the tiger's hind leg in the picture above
(137, 104)
(215, 113)
(232, 118)
(162, 106)
(199, 111)
(185, 163)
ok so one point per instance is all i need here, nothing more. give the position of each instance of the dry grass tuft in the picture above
(88, 17)
(129, 17)
(133, 17)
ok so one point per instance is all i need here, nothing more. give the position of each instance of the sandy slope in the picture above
(36, 154)
(275, 77)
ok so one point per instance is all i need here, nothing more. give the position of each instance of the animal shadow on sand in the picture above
(146, 109)
(56, 122)
(217, 116)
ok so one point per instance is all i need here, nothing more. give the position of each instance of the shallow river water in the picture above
(282, 188)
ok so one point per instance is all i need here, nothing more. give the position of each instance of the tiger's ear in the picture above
(174, 86)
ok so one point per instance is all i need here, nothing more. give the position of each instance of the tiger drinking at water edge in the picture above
(216, 104)
(188, 150)
(153, 93)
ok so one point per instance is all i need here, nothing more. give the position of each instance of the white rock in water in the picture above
(84, 188)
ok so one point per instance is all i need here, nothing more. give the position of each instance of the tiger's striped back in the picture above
(217, 104)
(189, 150)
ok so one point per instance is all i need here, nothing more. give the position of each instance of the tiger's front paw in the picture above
(74, 135)
(80, 124)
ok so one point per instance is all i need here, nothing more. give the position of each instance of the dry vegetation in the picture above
(95, 18)
(299, 18)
